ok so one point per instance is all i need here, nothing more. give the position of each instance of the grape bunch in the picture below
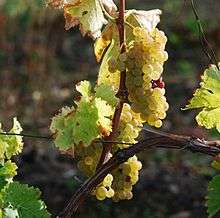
(104, 189)
(143, 62)
(125, 176)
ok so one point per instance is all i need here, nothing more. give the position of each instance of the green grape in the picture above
(136, 166)
(101, 193)
(108, 180)
(104, 189)
(110, 193)
(125, 177)
(144, 63)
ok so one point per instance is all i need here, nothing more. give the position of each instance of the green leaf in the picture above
(213, 198)
(26, 200)
(15, 143)
(62, 132)
(3, 183)
(84, 87)
(91, 119)
(3, 146)
(11, 144)
(104, 112)
(85, 127)
(106, 77)
(88, 14)
(103, 41)
(105, 92)
(8, 170)
(207, 97)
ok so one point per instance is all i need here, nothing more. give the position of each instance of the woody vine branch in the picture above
(122, 91)
(157, 140)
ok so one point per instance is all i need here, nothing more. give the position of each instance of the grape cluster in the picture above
(129, 127)
(119, 184)
(143, 62)
(125, 177)
(104, 189)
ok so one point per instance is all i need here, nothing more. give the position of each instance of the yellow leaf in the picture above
(87, 14)
(102, 42)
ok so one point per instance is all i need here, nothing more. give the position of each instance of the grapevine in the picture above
(132, 58)
(101, 128)
(138, 66)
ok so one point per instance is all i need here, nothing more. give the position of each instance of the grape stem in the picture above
(122, 92)
(154, 139)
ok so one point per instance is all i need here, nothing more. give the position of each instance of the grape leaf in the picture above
(213, 198)
(88, 14)
(207, 97)
(3, 146)
(91, 118)
(103, 41)
(88, 121)
(84, 87)
(15, 143)
(106, 77)
(3, 183)
(62, 132)
(8, 170)
(104, 112)
(105, 92)
(85, 123)
(146, 19)
(110, 7)
(26, 200)
(92, 115)
(11, 144)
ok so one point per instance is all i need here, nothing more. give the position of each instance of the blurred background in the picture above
(39, 64)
